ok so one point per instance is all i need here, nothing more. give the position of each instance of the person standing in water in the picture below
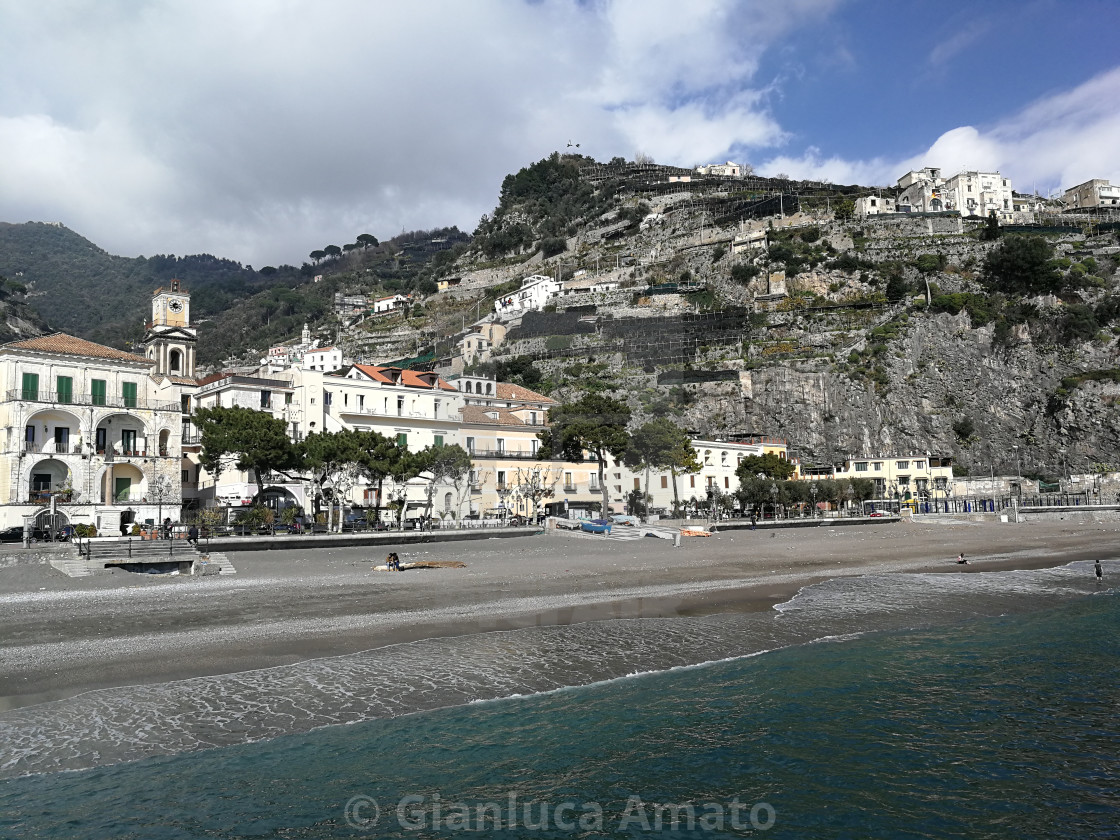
(1098, 571)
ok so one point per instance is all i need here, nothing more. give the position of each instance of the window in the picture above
(128, 393)
(919, 465)
(435, 410)
(532, 418)
(501, 479)
(568, 485)
(402, 439)
(185, 404)
(878, 465)
(726, 482)
(501, 446)
(176, 360)
(593, 482)
(902, 465)
(692, 481)
(861, 466)
(903, 481)
(128, 441)
(637, 483)
(185, 476)
(102, 440)
(533, 445)
(31, 386)
(438, 440)
(65, 389)
(61, 438)
(266, 399)
(328, 398)
(29, 436)
(346, 398)
(470, 445)
(400, 406)
(287, 399)
(664, 482)
(97, 391)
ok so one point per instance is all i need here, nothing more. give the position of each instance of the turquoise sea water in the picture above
(910, 706)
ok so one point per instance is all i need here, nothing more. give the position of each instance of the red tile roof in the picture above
(514, 393)
(408, 378)
(478, 414)
(68, 345)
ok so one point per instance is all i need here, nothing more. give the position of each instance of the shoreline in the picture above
(64, 637)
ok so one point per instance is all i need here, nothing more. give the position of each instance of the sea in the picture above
(978, 705)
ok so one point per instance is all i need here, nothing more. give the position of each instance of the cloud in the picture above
(262, 130)
(958, 42)
(1058, 141)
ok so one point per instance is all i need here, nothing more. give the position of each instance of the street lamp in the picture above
(774, 498)
(849, 494)
(813, 495)
(161, 489)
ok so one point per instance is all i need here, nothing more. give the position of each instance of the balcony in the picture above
(43, 497)
(518, 454)
(107, 401)
(570, 488)
(51, 447)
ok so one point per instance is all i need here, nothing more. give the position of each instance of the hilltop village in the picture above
(850, 343)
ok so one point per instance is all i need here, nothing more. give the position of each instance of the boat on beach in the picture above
(595, 526)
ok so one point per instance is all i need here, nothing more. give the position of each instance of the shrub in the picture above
(810, 234)
(1022, 265)
(552, 246)
(744, 272)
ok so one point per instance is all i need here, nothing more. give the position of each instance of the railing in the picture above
(64, 398)
(43, 497)
(145, 551)
(519, 454)
(51, 447)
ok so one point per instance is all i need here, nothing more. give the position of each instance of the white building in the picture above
(323, 358)
(970, 193)
(389, 304)
(1095, 193)
(86, 441)
(873, 205)
(725, 170)
(535, 293)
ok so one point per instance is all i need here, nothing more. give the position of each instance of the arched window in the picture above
(175, 360)
(489, 388)
(447, 502)
(468, 387)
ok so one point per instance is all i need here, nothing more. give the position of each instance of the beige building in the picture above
(909, 480)
(1095, 194)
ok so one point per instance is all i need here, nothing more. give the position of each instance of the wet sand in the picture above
(62, 636)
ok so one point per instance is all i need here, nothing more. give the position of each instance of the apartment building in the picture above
(1094, 194)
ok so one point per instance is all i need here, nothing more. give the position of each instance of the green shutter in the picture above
(31, 386)
(402, 439)
(128, 392)
(65, 389)
(97, 391)
(439, 440)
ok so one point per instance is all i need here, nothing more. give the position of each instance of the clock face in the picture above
(175, 305)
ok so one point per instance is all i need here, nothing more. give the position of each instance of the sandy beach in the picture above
(63, 636)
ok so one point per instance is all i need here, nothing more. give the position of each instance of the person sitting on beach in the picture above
(392, 562)
(961, 560)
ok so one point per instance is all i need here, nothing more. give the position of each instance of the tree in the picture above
(334, 461)
(654, 445)
(535, 484)
(682, 461)
(379, 454)
(594, 424)
(402, 468)
(246, 439)
(845, 210)
(769, 465)
(332, 251)
(1022, 265)
(367, 240)
(991, 232)
(445, 465)
(317, 256)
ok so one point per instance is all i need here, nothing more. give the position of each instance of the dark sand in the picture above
(61, 636)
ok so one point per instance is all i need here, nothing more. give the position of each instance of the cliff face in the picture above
(943, 374)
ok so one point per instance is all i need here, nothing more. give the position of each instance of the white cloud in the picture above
(1058, 141)
(261, 130)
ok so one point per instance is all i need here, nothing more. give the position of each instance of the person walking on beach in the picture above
(1098, 571)
(961, 561)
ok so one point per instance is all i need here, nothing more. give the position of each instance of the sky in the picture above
(260, 130)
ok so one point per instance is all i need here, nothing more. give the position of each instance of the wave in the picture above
(109, 726)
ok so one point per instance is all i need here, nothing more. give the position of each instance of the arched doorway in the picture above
(50, 523)
(123, 484)
(46, 478)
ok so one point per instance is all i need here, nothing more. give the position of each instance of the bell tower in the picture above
(170, 339)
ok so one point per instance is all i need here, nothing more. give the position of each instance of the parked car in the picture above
(15, 534)
(877, 513)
